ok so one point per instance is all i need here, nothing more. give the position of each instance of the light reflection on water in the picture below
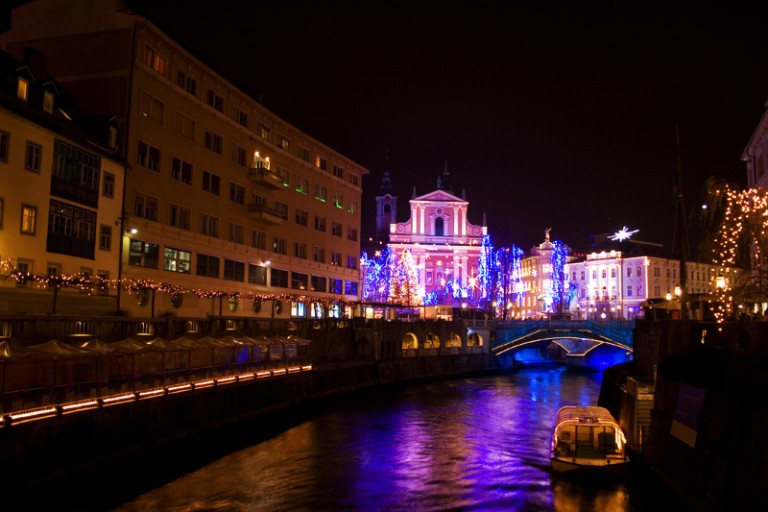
(471, 444)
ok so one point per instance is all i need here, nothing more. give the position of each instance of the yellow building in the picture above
(60, 198)
(226, 204)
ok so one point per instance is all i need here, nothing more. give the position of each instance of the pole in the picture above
(683, 233)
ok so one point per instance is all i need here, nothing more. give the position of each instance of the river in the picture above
(469, 444)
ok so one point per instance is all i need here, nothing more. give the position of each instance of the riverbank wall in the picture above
(707, 419)
(102, 440)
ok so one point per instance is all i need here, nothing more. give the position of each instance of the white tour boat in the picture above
(588, 439)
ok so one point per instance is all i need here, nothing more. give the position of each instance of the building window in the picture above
(350, 288)
(108, 185)
(338, 172)
(284, 175)
(257, 274)
(300, 250)
(629, 271)
(143, 254)
(353, 207)
(629, 291)
(71, 230)
(304, 154)
(282, 210)
(283, 143)
(351, 234)
(336, 286)
(354, 179)
(179, 217)
(151, 107)
(145, 206)
(177, 260)
(214, 100)
(148, 156)
(319, 284)
(321, 193)
(302, 185)
(237, 193)
(238, 154)
(613, 273)
(318, 254)
(75, 174)
(302, 217)
(48, 102)
(279, 245)
(321, 163)
(278, 278)
(234, 270)
(184, 126)
(211, 183)
(240, 116)
(105, 238)
(351, 262)
(320, 223)
(336, 258)
(637, 271)
(34, 155)
(207, 265)
(258, 239)
(154, 60)
(299, 281)
(264, 131)
(338, 201)
(236, 233)
(213, 141)
(186, 82)
(336, 229)
(209, 225)
(5, 141)
(22, 89)
(181, 170)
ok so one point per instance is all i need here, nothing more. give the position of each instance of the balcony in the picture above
(265, 178)
(264, 214)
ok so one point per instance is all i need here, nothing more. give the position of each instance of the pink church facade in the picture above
(444, 245)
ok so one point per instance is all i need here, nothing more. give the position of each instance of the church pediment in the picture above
(439, 195)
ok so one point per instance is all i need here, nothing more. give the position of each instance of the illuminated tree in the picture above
(405, 287)
(376, 276)
(558, 258)
(736, 224)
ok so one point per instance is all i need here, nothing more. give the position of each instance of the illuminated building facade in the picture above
(444, 245)
(226, 205)
(610, 284)
(60, 197)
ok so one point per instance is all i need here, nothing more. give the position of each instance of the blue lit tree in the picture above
(509, 289)
(376, 276)
(558, 258)
(487, 272)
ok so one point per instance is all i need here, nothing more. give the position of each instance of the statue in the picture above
(546, 234)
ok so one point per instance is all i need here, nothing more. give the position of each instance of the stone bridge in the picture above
(576, 337)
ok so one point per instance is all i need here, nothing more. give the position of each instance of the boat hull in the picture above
(580, 466)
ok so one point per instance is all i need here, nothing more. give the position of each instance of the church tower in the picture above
(386, 209)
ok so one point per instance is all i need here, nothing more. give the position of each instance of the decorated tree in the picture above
(735, 225)
(405, 287)
(488, 272)
(376, 276)
(558, 258)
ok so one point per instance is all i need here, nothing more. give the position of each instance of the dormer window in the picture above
(48, 102)
(22, 90)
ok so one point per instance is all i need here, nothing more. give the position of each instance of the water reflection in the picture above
(469, 444)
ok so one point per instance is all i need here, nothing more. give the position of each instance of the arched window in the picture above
(439, 226)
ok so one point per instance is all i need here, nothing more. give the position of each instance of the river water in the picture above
(470, 444)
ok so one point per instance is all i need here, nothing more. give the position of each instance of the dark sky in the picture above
(555, 117)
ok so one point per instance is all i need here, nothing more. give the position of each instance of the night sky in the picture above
(547, 117)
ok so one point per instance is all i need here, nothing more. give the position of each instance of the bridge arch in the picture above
(410, 340)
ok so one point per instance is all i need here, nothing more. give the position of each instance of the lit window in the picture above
(28, 219)
(22, 89)
(154, 60)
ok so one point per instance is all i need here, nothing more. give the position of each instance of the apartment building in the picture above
(229, 210)
(61, 189)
